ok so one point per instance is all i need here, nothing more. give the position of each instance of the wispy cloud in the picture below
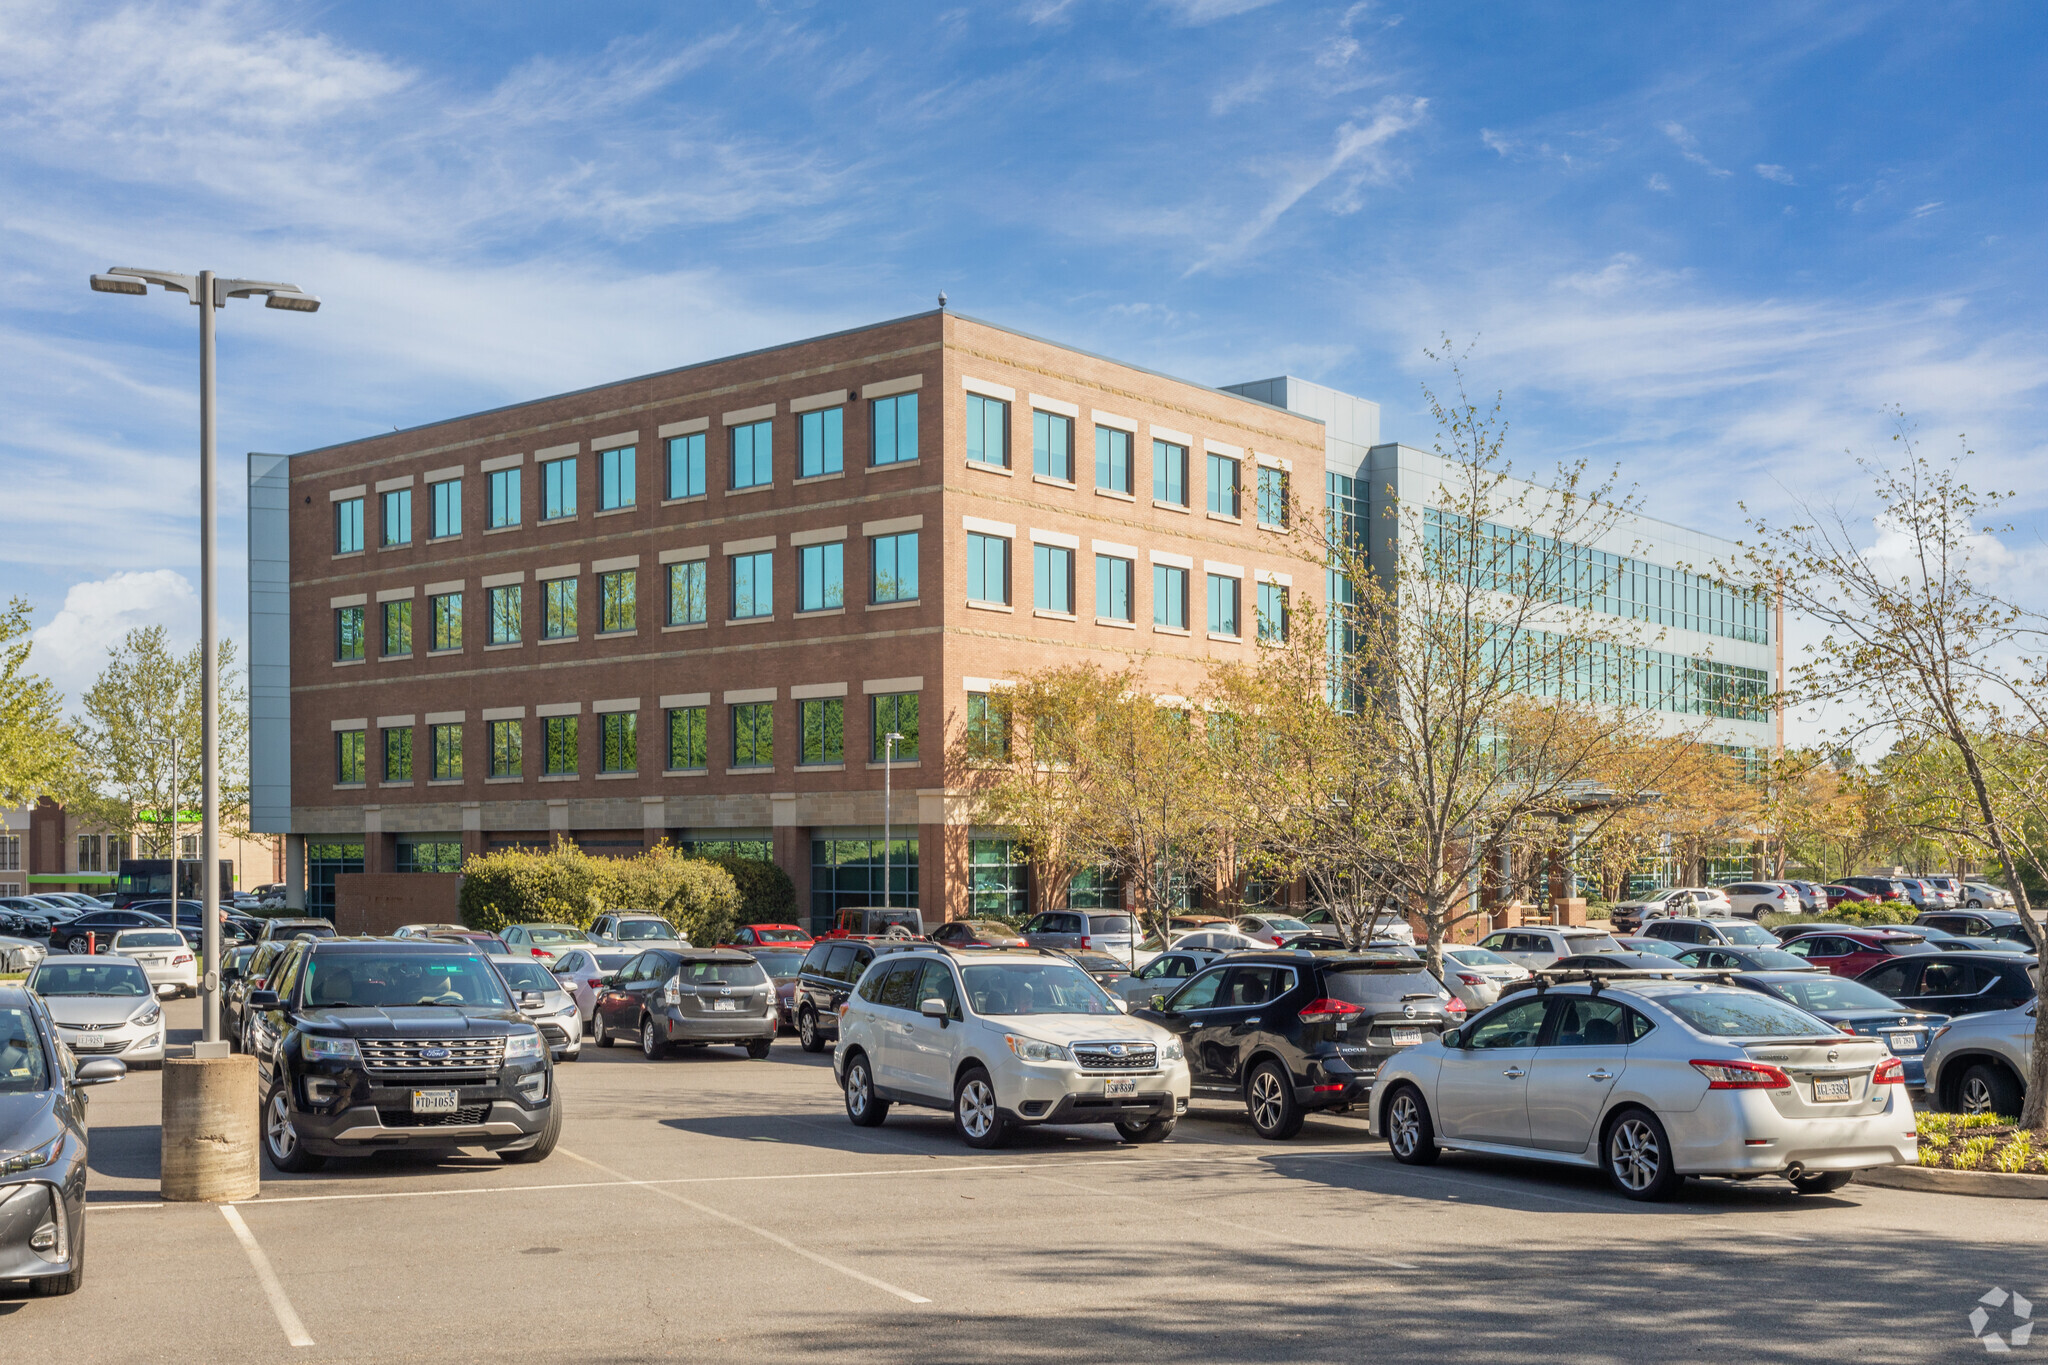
(1689, 147)
(1659, 182)
(1777, 175)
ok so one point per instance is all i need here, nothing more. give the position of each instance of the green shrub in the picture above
(767, 895)
(565, 885)
(1860, 913)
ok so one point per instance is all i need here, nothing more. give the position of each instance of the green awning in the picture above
(54, 877)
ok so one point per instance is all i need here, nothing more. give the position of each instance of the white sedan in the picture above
(103, 1007)
(164, 956)
(582, 972)
(1477, 976)
(1652, 1079)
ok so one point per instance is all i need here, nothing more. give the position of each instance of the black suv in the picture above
(384, 1043)
(1955, 983)
(1999, 924)
(1290, 1032)
(822, 985)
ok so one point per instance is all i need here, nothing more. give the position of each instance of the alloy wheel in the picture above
(284, 1139)
(648, 1044)
(977, 1107)
(1634, 1154)
(1267, 1102)
(858, 1093)
(807, 1029)
(1977, 1098)
(1404, 1124)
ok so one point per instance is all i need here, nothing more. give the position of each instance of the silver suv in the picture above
(1537, 946)
(1978, 1064)
(1108, 930)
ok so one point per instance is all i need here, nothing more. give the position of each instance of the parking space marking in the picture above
(273, 1289)
(745, 1226)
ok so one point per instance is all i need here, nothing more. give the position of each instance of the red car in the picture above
(1837, 893)
(1851, 952)
(771, 936)
(976, 933)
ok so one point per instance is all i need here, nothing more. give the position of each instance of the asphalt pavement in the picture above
(712, 1208)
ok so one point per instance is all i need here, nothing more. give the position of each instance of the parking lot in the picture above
(709, 1207)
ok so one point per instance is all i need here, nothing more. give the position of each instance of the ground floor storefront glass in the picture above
(846, 872)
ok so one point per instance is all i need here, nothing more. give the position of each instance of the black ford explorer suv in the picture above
(381, 1043)
(1291, 1032)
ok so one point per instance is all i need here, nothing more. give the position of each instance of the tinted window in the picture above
(1829, 993)
(701, 973)
(1583, 1021)
(1256, 985)
(23, 1067)
(1746, 933)
(527, 976)
(839, 966)
(937, 983)
(628, 930)
(631, 972)
(870, 987)
(780, 965)
(152, 938)
(1590, 943)
(1375, 987)
(1200, 993)
(1515, 1026)
(1109, 924)
(1727, 1014)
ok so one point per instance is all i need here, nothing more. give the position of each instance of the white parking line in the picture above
(287, 1316)
(762, 1233)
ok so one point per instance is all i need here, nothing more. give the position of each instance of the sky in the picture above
(1708, 246)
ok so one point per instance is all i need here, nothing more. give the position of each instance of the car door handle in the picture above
(1514, 1072)
(1599, 1075)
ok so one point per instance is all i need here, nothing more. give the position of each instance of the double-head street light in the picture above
(209, 292)
(888, 793)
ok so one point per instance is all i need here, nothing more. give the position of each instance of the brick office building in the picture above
(686, 606)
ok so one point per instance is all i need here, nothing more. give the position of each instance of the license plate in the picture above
(1827, 1091)
(1113, 1089)
(1902, 1042)
(1404, 1037)
(433, 1102)
(728, 1006)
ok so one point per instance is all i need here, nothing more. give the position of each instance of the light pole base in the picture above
(218, 1048)
(211, 1128)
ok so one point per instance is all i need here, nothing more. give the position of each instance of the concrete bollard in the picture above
(211, 1129)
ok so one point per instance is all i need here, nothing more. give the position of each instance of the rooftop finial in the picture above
(942, 300)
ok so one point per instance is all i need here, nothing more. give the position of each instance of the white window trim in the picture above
(988, 388)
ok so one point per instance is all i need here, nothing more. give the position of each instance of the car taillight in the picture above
(538, 952)
(1327, 1010)
(181, 957)
(1466, 978)
(1742, 1076)
(1453, 1005)
(1848, 1028)
(1890, 1071)
(1279, 942)
(595, 981)
(1084, 940)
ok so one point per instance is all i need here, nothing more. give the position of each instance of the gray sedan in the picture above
(1978, 1064)
(1164, 974)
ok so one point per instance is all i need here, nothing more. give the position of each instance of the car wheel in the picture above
(1821, 1182)
(758, 1049)
(863, 1107)
(281, 1140)
(1639, 1156)
(1158, 1130)
(1269, 1099)
(976, 1116)
(651, 1041)
(544, 1145)
(597, 1033)
(53, 1286)
(1410, 1133)
(75, 946)
(807, 1031)
(1988, 1090)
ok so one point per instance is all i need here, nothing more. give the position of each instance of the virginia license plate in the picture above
(433, 1102)
(727, 1006)
(1902, 1042)
(1828, 1091)
(1114, 1089)
(1404, 1037)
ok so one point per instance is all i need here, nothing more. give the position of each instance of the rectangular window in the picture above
(558, 609)
(557, 489)
(820, 442)
(351, 756)
(1170, 473)
(559, 733)
(350, 634)
(1169, 596)
(686, 466)
(621, 733)
(988, 568)
(753, 735)
(398, 754)
(504, 497)
(398, 517)
(429, 855)
(753, 455)
(617, 486)
(447, 496)
(505, 742)
(1052, 445)
(894, 561)
(988, 725)
(617, 594)
(893, 429)
(753, 585)
(1112, 588)
(1272, 612)
(447, 741)
(447, 609)
(998, 878)
(822, 576)
(1272, 496)
(1223, 490)
(348, 526)
(895, 712)
(824, 738)
(1052, 578)
(507, 605)
(686, 748)
(88, 853)
(1223, 595)
(1113, 459)
(397, 628)
(988, 431)
(686, 595)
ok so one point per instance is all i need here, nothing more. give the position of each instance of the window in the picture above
(504, 497)
(429, 855)
(1272, 496)
(686, 466)
(820, 442)
(753, 735)
(753, 455)
(988, 431)
(1272, 612)
(894, 563)
(558, 609)
(988, 568)
(398, 517)
(447, 742)
(397, 628)
(323, 862)
(753, 585)
(1223, 485)
(988, 725)
(1052, 578)
(398, 754)
(897, 712)
(505, 742)
(1113, 459)
(615, 479)
(351, 757)
(848, 872)
(348, 526)
(1112, 588)
(350, 632)
(447, 498)
(559, 734)
(1052, 445)
(686, 595)
(616, 608)
(821, 582)
(686, 748)
(893, 428)
(824, 726)
(1169, 473)
(1169, 596)
(997, 879)
(620, 731)
(447, 611)
(506, 608)
(1223, 595)
(88, 853)
(557, 489)
(1097, 888)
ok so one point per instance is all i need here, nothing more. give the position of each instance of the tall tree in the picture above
(36, 754)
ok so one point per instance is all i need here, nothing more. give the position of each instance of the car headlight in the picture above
(522, 1045)
(1172, 1051)
(14, 1163)
(1031, 1050)
(569, 1007)
(147, 1015)
(314, 1048)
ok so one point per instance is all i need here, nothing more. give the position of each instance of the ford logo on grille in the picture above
(434, 1052)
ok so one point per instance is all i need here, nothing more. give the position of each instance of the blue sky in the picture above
(1706, 243)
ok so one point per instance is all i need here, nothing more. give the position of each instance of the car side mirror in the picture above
(228, 974)
(1123, 1006)
(531, 1000)
(1452, 1038)
(934, 1008)
(1159, 1003)
(99, 1071)
(166, 991)
(262, 1000)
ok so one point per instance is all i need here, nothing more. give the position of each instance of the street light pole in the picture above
(888, 793)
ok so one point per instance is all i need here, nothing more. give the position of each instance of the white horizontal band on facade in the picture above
(616, 562)
(1285, 580)
(557, 452)
(1226, 570)
(1039, 537)
(890, 526)
(504, 713)
(559, 708)
(685, 554)
(811, 403)
(875, 685)
(1110, 547)
(615, 441)
(558, 571)
(751, 546)
(395, 594)
(453, 471)
(396, 722)
(675, 699)
(1060, 406)
(344, 494)
(1271, 461)
(1179, 438)
(989, 528)
(739, 417)
(437, 589)
(341, 726)
(354, 599)
(500, 580)
(688, 427)
(1215, 447)
(822, 536)
(988, 388)
(806, 691)
(498, 462)
(1177, 561)
(889, 388)
(1110, 419)
(392, 485)
(985, 684)
(614, 705)
(740, 696)
(447, 717)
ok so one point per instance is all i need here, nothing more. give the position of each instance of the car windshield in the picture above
(527, 975)
(1591, 943)
(779, 963)
(1823, 992)
(720, 973)
(1745, 933)
(554, 933)
(1476, 957)
(149, 938)
(1775, 960)
(611, 962)
(313, 929)
(89, 978)
(1742, 1014)
(379, 980)
(23, 1067)
(630, 930)
(780, 935)
(483, 943)
(1098, 962)
(1284, 924)
(1008, 988)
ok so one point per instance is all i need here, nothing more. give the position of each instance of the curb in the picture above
(1934, 1180)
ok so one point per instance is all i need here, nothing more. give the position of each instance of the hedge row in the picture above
(565, 885)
